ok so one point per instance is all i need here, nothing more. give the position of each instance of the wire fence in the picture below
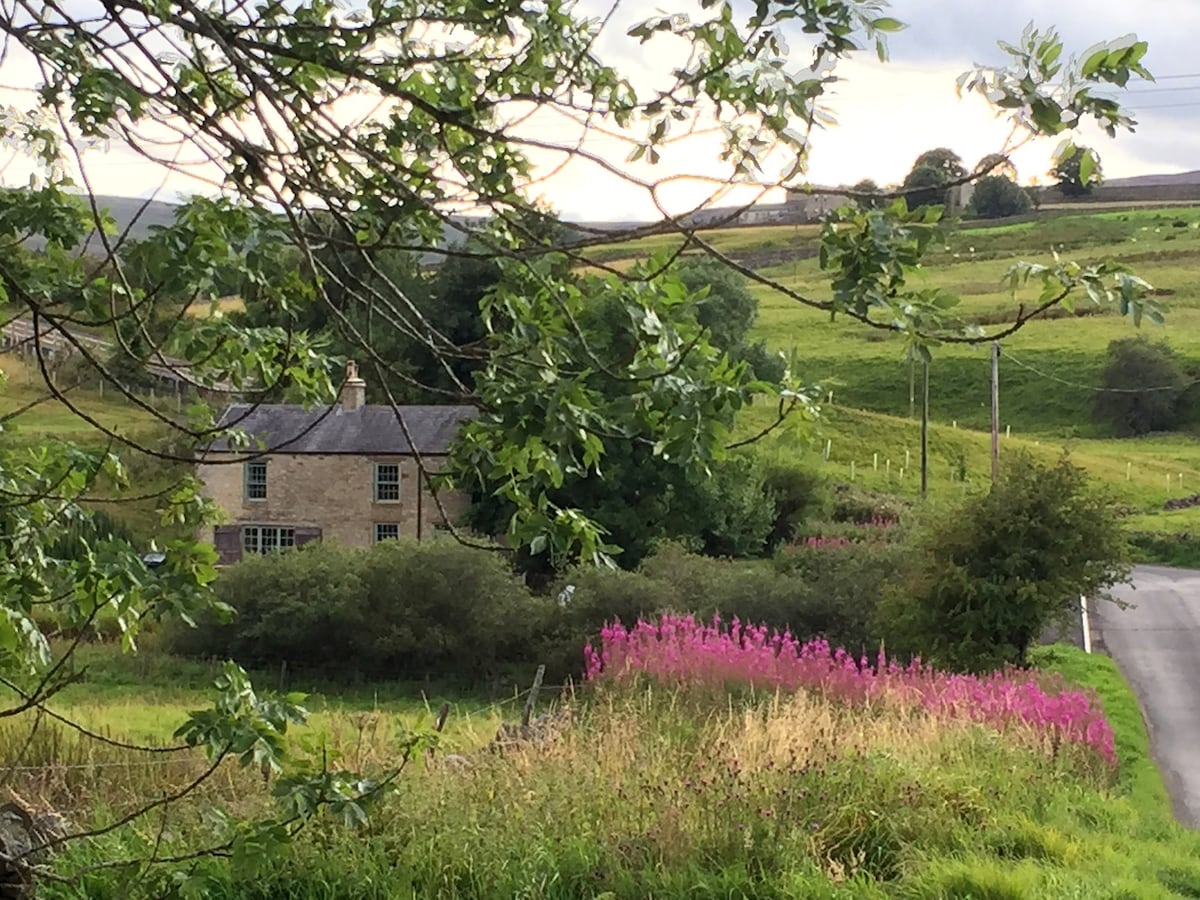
(188, 755)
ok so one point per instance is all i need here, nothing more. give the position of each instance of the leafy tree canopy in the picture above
(925, 186)
(1140, 389)
(997, 164)
(943, 160)
(997, 196)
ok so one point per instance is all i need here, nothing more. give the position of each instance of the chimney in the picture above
(354, 390)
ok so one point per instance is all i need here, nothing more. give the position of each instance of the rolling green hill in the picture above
(1051, 363)
(1047, 374)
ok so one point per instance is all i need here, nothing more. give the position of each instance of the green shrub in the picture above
(998, 196)
(1182, 550)
(851, 504)
(987, 578)
(1143, 386)
(403, 610)
(398, 610)
(584, 600)
(813, 592)
(799, 493)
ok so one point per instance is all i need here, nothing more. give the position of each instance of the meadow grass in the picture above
(658, 793)
(1047, 376)
(1141, 474)
(36, 412)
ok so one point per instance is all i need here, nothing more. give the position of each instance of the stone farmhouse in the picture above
(345, 473)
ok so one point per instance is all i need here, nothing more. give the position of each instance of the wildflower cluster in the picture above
(679, 650)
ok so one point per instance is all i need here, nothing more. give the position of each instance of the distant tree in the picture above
(997, 196)
(946, 161)
(997, 164)
(728, 311)
(1078, 172)
(925, 186)
(1143, 383)
(869, 194)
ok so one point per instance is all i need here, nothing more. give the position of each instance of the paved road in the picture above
(1157, 646)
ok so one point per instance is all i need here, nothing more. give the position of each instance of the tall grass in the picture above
(655, 791)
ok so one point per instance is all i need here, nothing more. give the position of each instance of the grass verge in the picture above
(653, 794)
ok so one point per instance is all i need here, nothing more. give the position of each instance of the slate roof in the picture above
(369, 429)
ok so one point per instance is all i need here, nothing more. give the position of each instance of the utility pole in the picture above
(995, 411)
(925, 433)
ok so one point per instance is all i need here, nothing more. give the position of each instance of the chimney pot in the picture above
(354, 390)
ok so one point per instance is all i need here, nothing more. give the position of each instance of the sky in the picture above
(887, 114)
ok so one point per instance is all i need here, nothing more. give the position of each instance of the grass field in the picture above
(1047, 374)
(650, 794)
(866, 366)
(33, 408)
(882, 453)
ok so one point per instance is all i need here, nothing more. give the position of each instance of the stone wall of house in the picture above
(333, 492)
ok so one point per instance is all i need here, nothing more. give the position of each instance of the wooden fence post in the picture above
(533, 693)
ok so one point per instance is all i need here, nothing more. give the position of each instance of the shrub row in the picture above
(438, 610)
(1182, 550)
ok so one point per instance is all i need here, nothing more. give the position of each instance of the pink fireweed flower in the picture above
(681, 651)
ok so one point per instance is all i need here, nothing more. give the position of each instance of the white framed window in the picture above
(387, 483)
(386, 531)
(255, 477)
(267, 538)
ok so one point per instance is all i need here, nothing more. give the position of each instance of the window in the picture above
(387, 483)
(386, 531)
(256, 480)
(267, 538)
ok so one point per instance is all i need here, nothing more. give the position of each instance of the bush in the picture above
(731, 513)
(1181, 550)
(403, 610)
(587, 599)
(398, 610)
(859, 507)
(799, 494)
(814, 592)
(988, 578)
(997, 197)
(1143, 383)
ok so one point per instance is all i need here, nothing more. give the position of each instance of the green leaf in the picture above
(1087, 167)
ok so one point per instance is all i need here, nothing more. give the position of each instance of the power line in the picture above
(1162, 90)
(1092, 387)
(1166, 106)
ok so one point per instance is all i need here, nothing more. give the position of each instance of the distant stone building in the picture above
(345, 473)
(800, 207)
